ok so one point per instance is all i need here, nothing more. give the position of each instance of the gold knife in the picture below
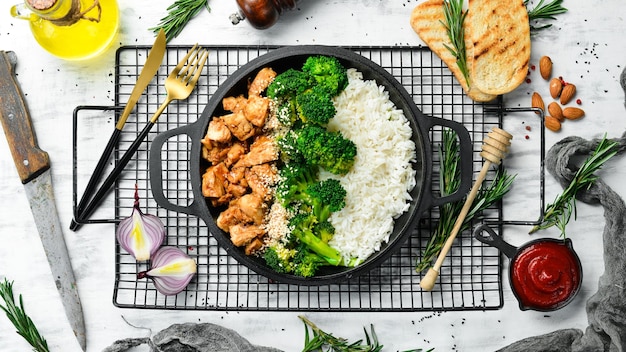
(153, 62)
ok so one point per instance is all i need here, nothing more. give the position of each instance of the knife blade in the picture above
(150, 68)
(33, 168)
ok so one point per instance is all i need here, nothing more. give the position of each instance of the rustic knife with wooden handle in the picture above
(33, 168)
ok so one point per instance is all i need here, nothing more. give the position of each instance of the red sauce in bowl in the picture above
(545, 275)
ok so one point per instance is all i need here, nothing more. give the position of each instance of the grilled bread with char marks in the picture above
(427, 20)
(499, 53)
(497, 41)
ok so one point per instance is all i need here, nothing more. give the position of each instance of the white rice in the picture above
(378, 185)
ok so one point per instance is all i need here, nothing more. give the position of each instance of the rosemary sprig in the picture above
(449, 177)
(454, 17)
(315, 339)
(544, 12)
(179, 14)
(559, 212)
(17, 315)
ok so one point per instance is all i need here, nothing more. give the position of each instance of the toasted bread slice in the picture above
(499, 52)
(427, 20)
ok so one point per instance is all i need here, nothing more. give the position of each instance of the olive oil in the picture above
(73, 29)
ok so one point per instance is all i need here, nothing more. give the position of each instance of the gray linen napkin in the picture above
(192, 337)
(606, 309)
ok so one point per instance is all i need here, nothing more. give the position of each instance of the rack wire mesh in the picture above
(470, 279)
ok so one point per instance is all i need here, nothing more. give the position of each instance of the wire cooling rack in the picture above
(470, 279)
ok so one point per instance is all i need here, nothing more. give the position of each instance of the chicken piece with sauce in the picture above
(214, 152)
(257, 110)
(243, 219)
(214, 184)
(242, 234)
(262, 150)
(260, 82)
(232, 216)
(218, 131)
(261, 178)
(236, 151)
(253, 246)
(237, 184)
(234, 104)
(239, 126)
(253, 206)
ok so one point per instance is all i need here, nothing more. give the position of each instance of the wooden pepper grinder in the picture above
(261, 14)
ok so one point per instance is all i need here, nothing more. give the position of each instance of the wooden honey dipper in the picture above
(495, 146)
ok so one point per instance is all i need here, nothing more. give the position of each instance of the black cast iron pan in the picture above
(293, 57)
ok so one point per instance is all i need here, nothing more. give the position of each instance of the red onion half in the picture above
(140, 234)
(171, 270)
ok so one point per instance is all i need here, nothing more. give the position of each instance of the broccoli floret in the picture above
(289, 152)
(299, 261)
(325, 230)
(294, 178)
(328, 72)
(324, 197)
(306, 248)
(298, 191)
(329, 150)
(279, 258)
(290, 83)
(286, 112)
(307, 263)
(315, 106)
(302, 227)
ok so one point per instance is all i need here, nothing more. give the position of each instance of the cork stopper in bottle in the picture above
(41, 4)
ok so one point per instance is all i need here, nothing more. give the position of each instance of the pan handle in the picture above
(156, 170)
(494, 240)
(466, 154)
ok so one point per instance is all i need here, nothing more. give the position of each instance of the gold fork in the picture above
(183, 78)
(179, 85)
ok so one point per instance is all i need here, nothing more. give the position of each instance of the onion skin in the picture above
(171, 270)
(140, 234)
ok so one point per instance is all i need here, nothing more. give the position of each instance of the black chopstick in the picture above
(97, 173)
(83, 214)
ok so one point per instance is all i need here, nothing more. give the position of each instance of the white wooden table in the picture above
(586, 45)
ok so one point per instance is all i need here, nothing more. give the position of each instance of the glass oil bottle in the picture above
(71, 29)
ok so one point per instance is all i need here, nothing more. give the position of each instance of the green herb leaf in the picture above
(449, 180)
(317, 340)
(559, 212)
(18, 317)
(544, 12)
(454, 18)
(179, 14)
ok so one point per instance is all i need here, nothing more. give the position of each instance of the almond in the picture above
(572, 113)
(555, 87)
(545, 67)
(552, 123)
(554, 109)
(568, 92)
(537, 102)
